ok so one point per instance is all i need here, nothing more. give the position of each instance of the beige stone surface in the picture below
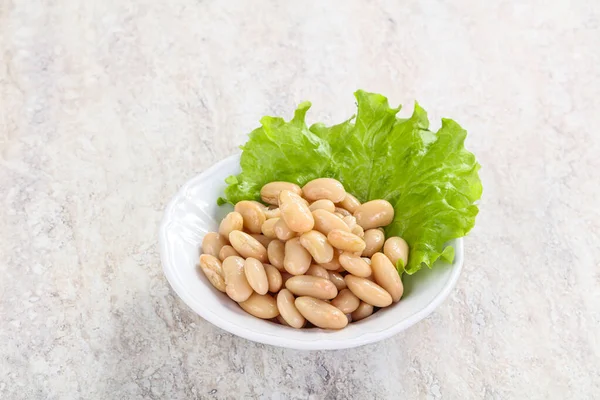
(107, 107)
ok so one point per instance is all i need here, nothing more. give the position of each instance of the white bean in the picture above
(350, 203)
(324, 188)
(248, 246)
(320, 313)
(346, 301)
(212, 243)
(295, 213)
(270, 192)
(363, 311)
(396, 248)
(355, 265)
(374, 239)
(213, 271)
(232, 222)
(368, 291)
(236, 284)
(314, 286)
(297, 259)
(273, 277)
(288, 310)
(256, 275)
(323, 204)
(260, 305)
(386, 276)
(253, 214)
(345, 241)
(276, 253)
(374, 213)
(317, 245)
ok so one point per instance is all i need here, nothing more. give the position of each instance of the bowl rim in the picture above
(282, 341)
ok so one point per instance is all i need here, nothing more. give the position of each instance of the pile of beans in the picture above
(320, 253)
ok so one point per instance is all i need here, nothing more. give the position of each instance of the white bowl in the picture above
(193, 212)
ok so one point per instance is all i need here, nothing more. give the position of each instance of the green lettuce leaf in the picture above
(429, 177)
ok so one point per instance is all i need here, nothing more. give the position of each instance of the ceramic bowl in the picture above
(193, 212)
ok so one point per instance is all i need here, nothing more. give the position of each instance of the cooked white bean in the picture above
(260, 305)
(318, 247)
(337, 279)
(270, 192)
(346, 301)
(396, 248)
(288, 310)
(253, 214)
(268, 228)
(374, 239)
(386, 276)
(232, 222)
(212, 243)
(345, 241)
(350, 203)
(317, 270)
(343, 212)
(236, 284)
(282, 231)
(213, 271)
(324, 188)
(280, 319)
(272, 212)
(314, 286)
(363, 311)
(295, 212)
(350, 221)
(227, 251)
(256, 275)
(297, 259)
(276, 253)
(325, 222)
(358, 231)
(320, 313)
(323, 204)
(368, 291)
(355, 265)
(248, 246)
(274, 278)
(374, 213)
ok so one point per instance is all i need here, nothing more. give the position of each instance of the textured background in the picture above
(107, 107)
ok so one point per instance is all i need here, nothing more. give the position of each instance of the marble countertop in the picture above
(106, 108)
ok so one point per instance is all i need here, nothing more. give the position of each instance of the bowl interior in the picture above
(193, 212)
